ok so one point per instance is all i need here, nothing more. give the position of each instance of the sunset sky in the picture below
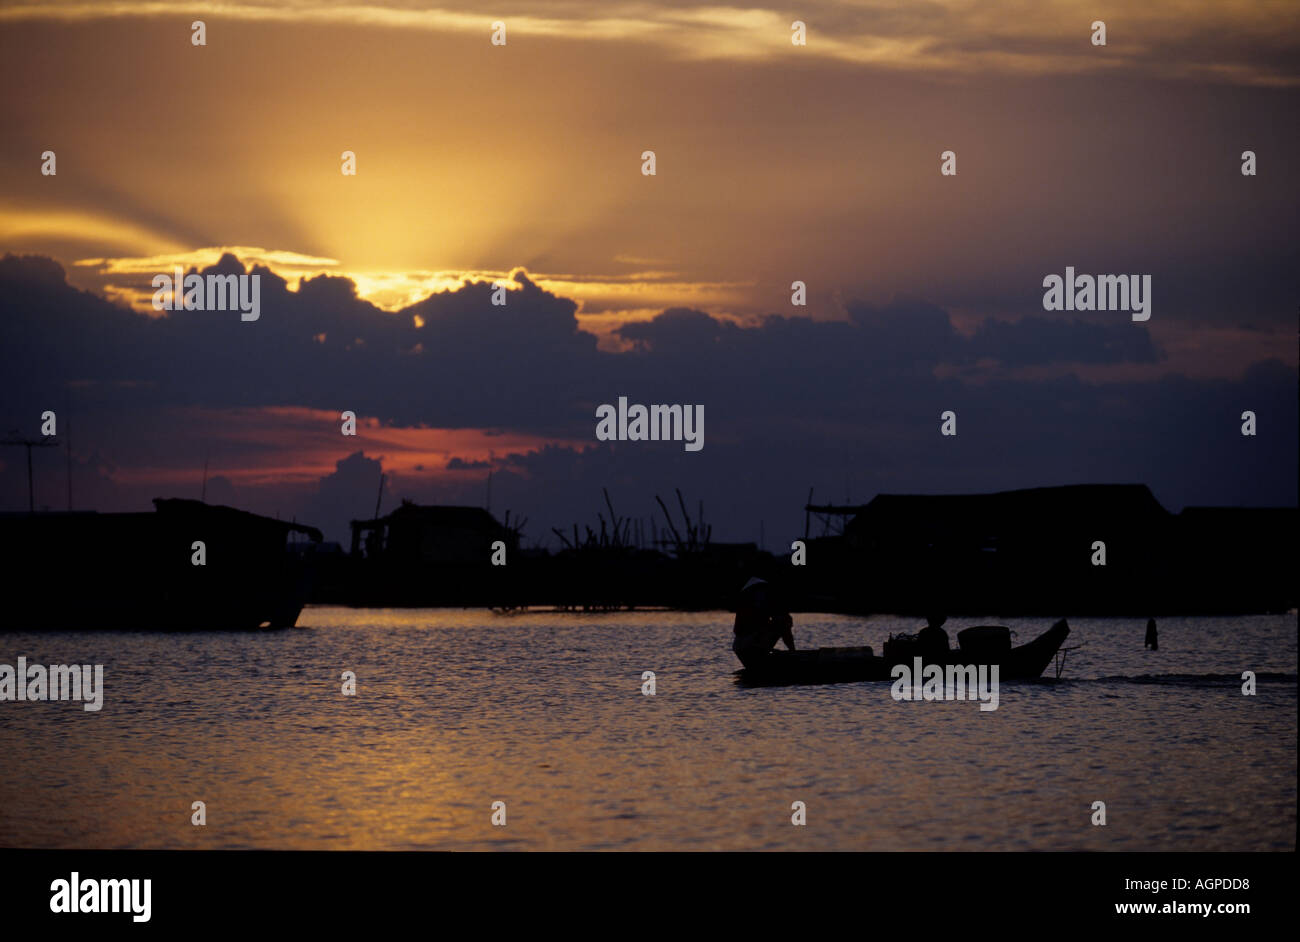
(522, 163)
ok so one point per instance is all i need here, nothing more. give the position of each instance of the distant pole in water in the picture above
(379, 498)
(67, 430)
(1152, 641)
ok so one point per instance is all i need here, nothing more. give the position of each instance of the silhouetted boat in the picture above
(86, 571)
(984, 644)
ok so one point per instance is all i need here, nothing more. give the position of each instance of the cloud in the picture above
(849, 406)
(461, 464)
(345, 494)
(676, 328)
(1243, 43)
(1039, 340)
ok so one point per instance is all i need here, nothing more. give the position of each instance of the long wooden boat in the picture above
(980, 645)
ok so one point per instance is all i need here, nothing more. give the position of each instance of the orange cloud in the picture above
(290, 444)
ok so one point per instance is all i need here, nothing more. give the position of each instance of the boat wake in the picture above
(1192, 680)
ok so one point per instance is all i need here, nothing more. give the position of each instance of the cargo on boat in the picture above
(86, 571)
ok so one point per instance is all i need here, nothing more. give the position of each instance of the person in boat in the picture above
(1152, 641)
(932, 639)
(761, 621)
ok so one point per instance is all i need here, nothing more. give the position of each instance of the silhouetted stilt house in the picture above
(430, 555)
(1105, 548)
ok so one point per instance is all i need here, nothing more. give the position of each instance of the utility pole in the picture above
(31, 443)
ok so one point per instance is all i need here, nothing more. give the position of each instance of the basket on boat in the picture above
(901, 648)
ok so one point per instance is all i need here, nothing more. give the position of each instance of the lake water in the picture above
(456, 709)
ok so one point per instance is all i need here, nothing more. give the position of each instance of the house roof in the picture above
(175, 506)
(438, 515)
(1031, 509)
